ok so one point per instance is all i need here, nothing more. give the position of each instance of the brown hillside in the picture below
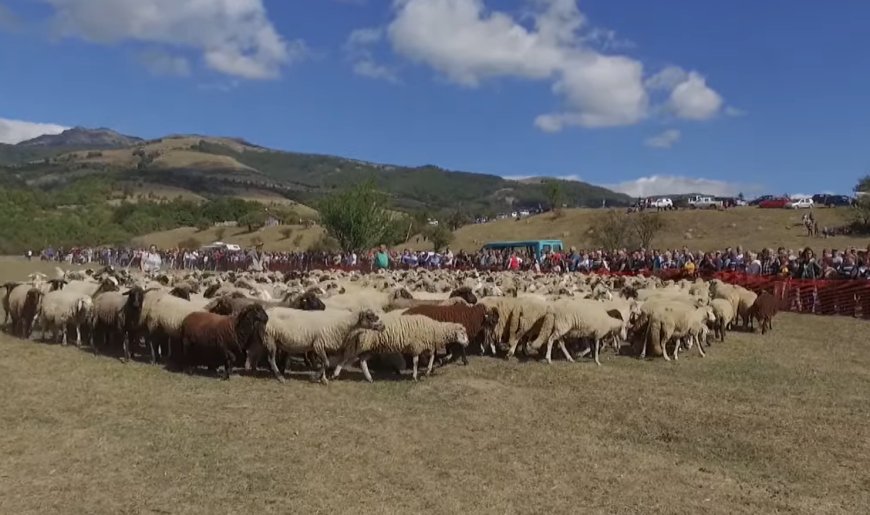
(750, 227)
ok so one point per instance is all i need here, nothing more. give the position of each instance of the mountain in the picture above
(79, 137)
(215, 166)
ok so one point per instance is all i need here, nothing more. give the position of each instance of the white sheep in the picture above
(584, 319)
(725, 316)
(320, 332)
(405, 334)
(60, 308)
(676, 321)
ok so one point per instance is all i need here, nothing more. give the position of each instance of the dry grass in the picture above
(705, 230)
(763, 424)
(301, 239)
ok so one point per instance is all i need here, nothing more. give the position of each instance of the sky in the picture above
(643, 97)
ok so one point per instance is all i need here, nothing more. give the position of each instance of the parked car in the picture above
(774, 203)
(699, 202)
(800, 203)
(662, 203)
(832, 200)
(759, 200)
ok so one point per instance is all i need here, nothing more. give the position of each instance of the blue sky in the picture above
(647, 97)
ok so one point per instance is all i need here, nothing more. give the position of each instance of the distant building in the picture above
(271, 221)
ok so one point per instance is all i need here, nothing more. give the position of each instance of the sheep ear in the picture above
(614, 313)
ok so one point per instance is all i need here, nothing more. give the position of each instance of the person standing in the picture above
(150, 261)
(382, 258)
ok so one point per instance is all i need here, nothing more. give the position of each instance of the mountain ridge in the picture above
(215, 165)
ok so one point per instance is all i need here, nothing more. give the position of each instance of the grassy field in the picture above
(704, 230)
(273, 240)
(700, 230)
(767, 424)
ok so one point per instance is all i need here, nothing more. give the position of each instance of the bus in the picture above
(536, 247)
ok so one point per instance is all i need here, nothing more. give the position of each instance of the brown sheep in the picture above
(209, 339)
(478, 320)
(764, 309)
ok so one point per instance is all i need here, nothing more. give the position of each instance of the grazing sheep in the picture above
(764, 309)
(406, 334)
(464, 293)
(478, 320)
(208, 339)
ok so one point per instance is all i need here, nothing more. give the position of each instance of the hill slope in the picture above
(220, 166)
(750, 227)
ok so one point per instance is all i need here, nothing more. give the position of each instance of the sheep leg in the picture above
(431, 363)
(364, 365)
(324, 364)
(229, 359)
(63, 334)
(677, 348)
(126, 345)
(549, 354)
(665, 350)
(565, 351)
(416, 361)
(700, 347)
(596, 350)
(78, 336)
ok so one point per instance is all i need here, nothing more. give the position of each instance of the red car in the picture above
(774, 203)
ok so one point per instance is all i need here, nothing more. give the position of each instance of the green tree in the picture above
(357, 217)
(439, 236)
(555, 195)
(457, 219)
(253, 220)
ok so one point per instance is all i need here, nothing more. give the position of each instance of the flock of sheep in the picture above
(322, 321)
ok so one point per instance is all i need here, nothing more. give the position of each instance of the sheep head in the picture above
(251, 325)
(464, 293)
(368, 319)
(308, 301)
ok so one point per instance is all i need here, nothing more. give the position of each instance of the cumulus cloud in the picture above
(676, 185)
(358, 49)
(234, 37)
(467, 43)
(692, 99)
(666, 139)
(16, 131)
(160, 63)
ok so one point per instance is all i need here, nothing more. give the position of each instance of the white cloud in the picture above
(667, 79)
(16, 131)
(358, 49)
(160, 63)
(693, 100)
(469, 44)
(666, 139)
(675, 185)
(235, 37)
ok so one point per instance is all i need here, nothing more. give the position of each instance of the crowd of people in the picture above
(850, 263)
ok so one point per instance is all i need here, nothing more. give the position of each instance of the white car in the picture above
(662, 203)
(800, 203)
